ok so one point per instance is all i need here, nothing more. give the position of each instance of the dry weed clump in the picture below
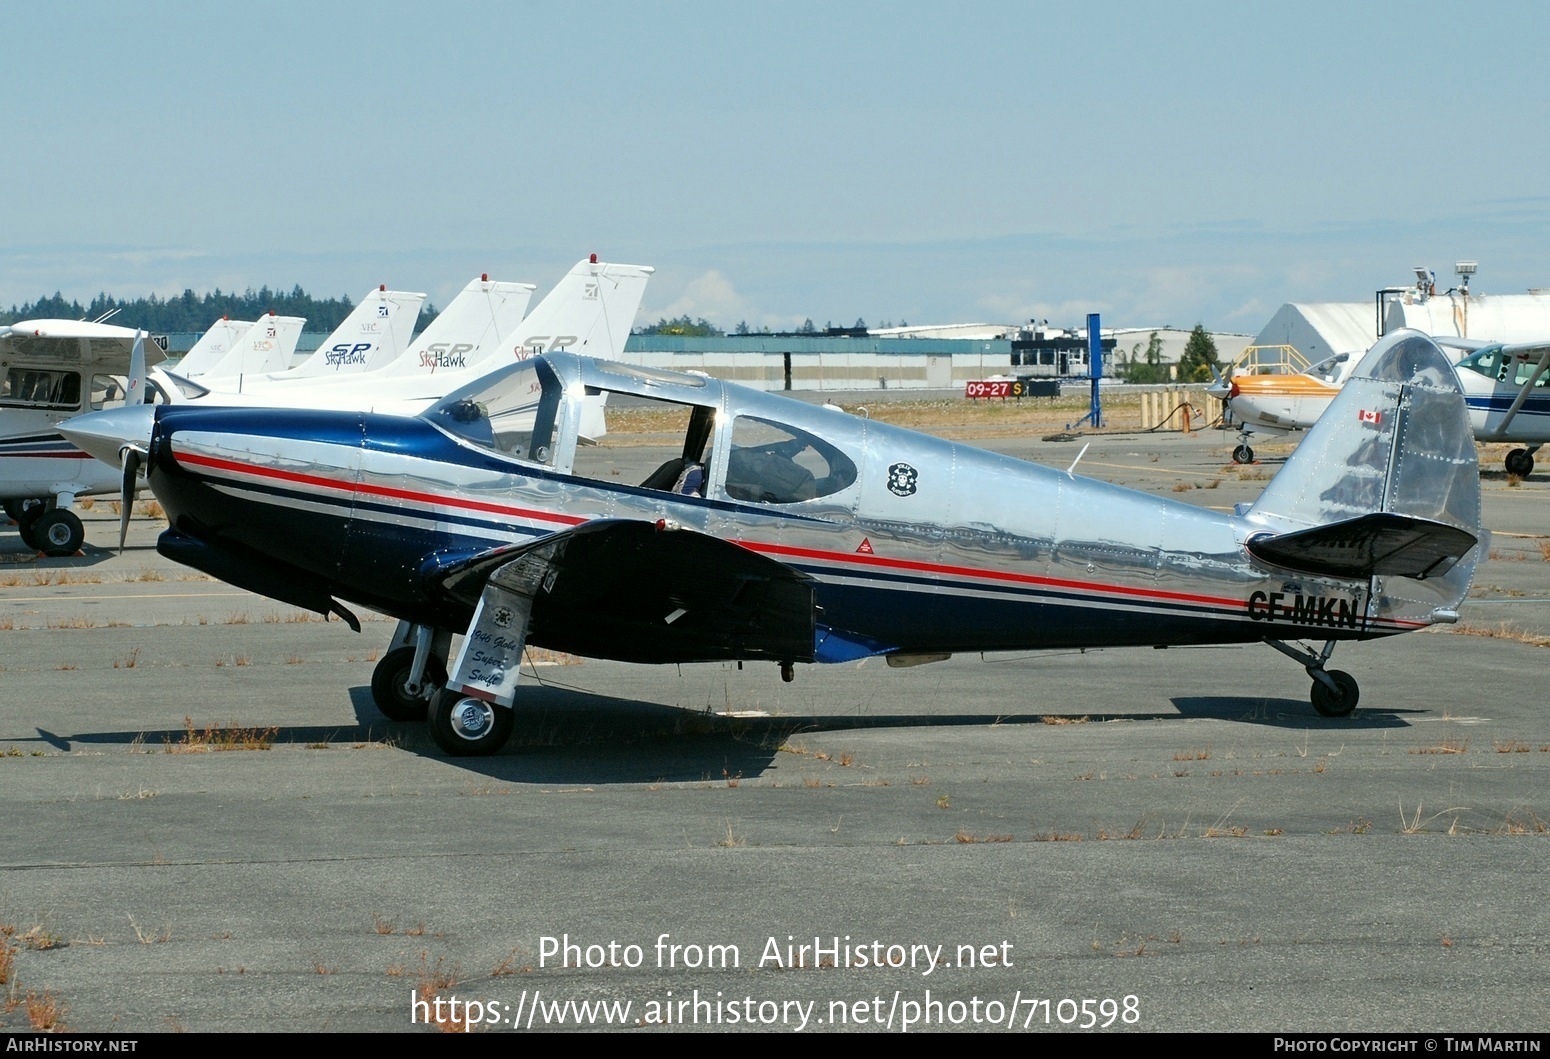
(229, 737)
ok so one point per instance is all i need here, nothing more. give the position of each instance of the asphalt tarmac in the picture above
(1148, 840)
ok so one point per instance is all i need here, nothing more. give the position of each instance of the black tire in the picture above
(1330, 704)
(24, 526)
(1520, 462)
(56, 533)
(464, 726)
(14, 509)
(387, 685)
(1243, 454)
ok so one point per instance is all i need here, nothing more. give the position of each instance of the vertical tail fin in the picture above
(467, 330)
(373, 335)
(212, 346)
(588, 312)
(1395, 441)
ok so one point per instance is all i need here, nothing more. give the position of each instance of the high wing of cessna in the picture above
(791, 533)
(50, 371)
(1506, 388)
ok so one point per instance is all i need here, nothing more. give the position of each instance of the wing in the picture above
(645, 592)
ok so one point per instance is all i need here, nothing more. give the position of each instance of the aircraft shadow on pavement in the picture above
(1287, 713)
(565, 735)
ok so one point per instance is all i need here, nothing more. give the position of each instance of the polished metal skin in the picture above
(797, 533)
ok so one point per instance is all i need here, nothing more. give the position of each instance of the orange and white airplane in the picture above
(1279, 404)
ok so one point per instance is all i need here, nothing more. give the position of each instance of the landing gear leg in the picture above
(1335, 692)
(412, 671)
(472, 715)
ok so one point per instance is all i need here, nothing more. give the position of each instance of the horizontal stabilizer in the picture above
(650, 592)
(1383, 543)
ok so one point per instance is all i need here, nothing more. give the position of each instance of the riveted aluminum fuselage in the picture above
(933, 546)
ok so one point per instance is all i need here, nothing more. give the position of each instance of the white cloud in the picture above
(709, 295)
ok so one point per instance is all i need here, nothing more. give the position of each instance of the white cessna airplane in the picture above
(50, 371)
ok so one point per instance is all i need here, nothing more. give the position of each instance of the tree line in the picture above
(195, 312)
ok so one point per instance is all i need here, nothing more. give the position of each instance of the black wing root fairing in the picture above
(647, 592)
(1383, 544)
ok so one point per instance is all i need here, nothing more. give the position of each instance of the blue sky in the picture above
(1161, 164)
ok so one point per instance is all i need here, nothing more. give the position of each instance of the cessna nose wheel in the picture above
(1520, 462)
(464, 726)
(1243, 454)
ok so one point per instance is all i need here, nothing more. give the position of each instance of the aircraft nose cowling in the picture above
(105, 434)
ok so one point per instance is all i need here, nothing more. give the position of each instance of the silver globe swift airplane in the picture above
(793, 533)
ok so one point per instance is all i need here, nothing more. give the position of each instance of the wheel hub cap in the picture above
(471, 719)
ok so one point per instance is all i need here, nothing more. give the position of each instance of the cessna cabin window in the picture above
(515, 415)
(770, 463)
(41, 388)
(1494, 365)
(108, 391)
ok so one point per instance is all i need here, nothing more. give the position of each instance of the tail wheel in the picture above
(464, 726)
(1336, 704)
(389, 680)
(1243, 454)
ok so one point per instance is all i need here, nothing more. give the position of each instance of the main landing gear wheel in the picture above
(1520, 462)
(1333, 704)
(15, 509)
(464, 726)
(1243, 454)
(389, 680)
(56, 533)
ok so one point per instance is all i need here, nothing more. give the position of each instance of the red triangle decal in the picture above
(865, 548)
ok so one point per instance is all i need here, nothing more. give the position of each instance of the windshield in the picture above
(1330, 369)
(513, 414)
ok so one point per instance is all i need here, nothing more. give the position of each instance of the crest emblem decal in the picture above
(901, 479)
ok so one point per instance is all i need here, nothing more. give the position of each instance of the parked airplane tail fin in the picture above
(588, 312)
(1386, 485)
(265, 347)
(213, 346)
(372, 336)
(467, 331)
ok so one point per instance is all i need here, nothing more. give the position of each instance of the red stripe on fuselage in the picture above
(997, 575)
(849, 558)
(355, 488)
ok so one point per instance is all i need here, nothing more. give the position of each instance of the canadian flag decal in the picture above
(1365, 416)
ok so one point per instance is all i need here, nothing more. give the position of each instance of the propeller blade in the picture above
(136, 381)
(131, 461)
